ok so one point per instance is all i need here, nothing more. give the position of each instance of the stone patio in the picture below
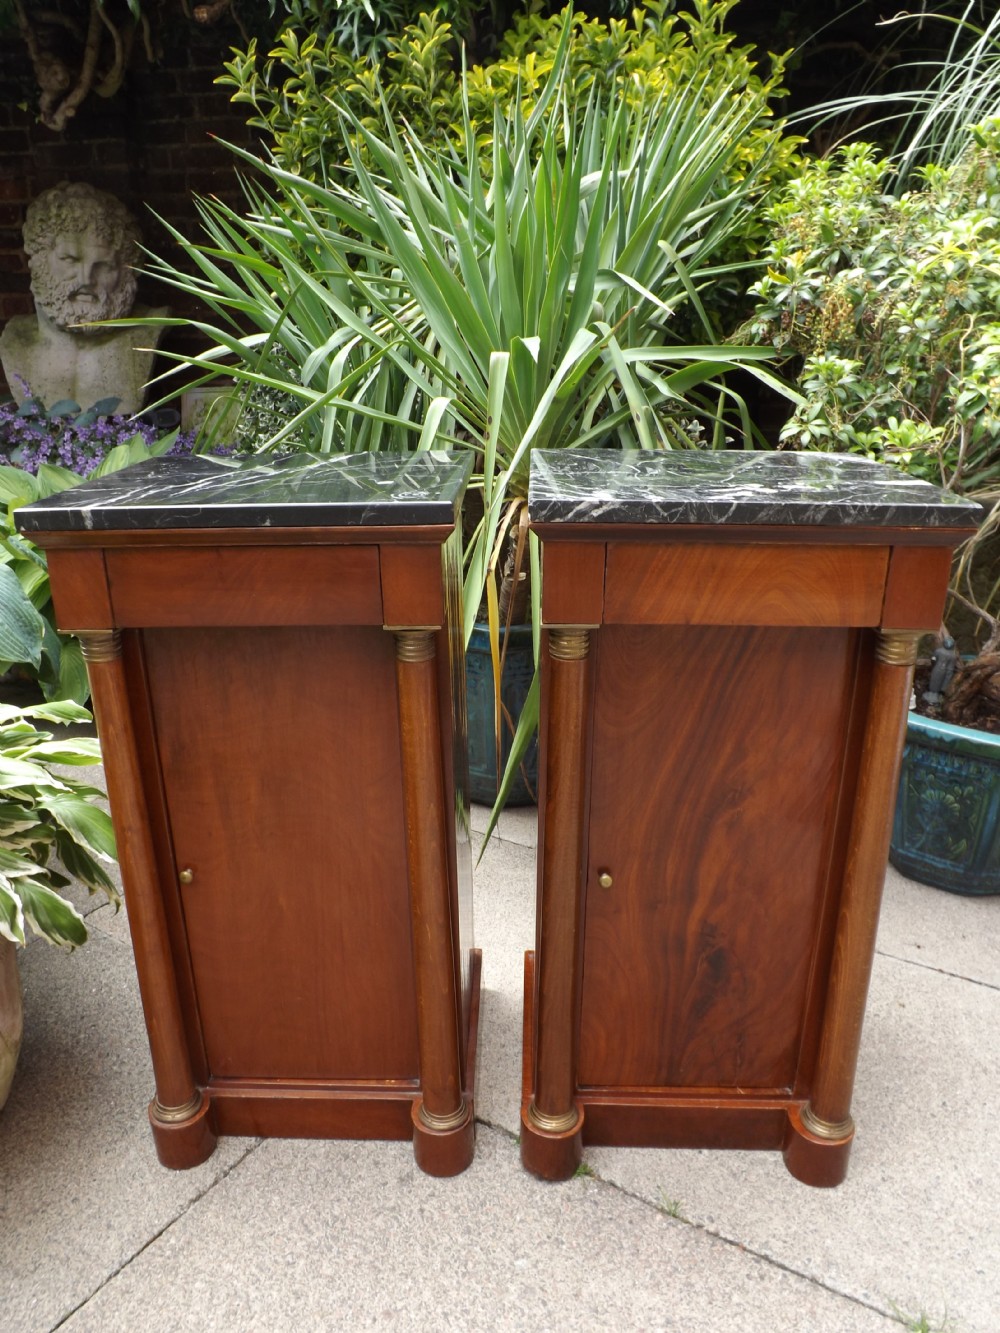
(282, 1234)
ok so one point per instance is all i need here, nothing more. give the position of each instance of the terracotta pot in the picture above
(11, 1016)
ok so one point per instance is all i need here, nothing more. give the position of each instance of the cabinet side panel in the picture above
(718, 756)
(280, 757)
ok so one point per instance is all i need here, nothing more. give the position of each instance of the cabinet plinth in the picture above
(275, 657)
(716, 801)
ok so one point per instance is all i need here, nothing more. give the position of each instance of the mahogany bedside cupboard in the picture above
(276, 663)
(727, 661)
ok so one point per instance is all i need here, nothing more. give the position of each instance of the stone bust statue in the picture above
(81, 244)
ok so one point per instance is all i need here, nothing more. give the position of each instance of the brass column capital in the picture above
(569, 643)
(102, 645)
(415, 643)
(898, 647)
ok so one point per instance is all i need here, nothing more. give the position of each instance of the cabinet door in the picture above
(718, 761)
(280, 758)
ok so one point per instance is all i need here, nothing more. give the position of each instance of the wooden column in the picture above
(552, 1122)
(820, 1135)
(443, 1128)
(179, 1113)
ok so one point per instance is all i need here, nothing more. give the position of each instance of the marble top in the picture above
(735, 486)
(344, 490)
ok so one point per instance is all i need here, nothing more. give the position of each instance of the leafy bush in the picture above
(364, 29)
(893, 304)
(297, 91)
(44, 815)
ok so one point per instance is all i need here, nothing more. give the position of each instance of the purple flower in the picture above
(78, 444)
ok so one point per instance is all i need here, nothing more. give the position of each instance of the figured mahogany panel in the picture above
(297, 910)
(573, 583)
(268, 585)
(687, 583)
(80, 594)
(718, 758)
(412, 585)
(915, 588)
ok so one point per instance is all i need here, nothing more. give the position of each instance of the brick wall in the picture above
(149, 145)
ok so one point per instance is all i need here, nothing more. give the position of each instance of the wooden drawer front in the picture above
(271, 585)
(694, 584)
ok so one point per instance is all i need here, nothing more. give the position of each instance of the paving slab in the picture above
(505, 915)
(319, 1235)
(916, 1225)
(81, 1191)
(944, 930)
(517, 824)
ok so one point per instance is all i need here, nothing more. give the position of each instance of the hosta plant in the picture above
(49, 819)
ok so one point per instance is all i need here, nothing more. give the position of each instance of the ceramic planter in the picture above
(947, 825)
(519, 668)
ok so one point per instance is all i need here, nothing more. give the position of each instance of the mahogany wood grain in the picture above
(561, 869)
(447, 1153)
(412, 585)
(573, 584)
(546, 1155)
(857, 923)
(815, 1161)
(424, 797)
(690, 584)
(297, 916)
(154, 796)
(260, 586)
(115, 539)
(915, 587)
(188, 1140)
(80, 594)
(334, 1111)
(676, 1122)
(743, 534)
(716, 822)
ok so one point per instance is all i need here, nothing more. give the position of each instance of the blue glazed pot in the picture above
(947, 826)
(518, 670)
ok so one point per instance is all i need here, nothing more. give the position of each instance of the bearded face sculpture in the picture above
(80, 243)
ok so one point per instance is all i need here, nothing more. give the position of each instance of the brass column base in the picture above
(553, 1124)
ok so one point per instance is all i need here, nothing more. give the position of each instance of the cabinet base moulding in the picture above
(667, 1118)
(252, 1108)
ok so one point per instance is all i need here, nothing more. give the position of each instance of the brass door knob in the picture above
(186, 876)
(605, 880)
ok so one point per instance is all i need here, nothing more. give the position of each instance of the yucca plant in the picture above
(418, 302)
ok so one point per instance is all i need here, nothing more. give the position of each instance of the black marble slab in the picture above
(344, 490)
(735, 486)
